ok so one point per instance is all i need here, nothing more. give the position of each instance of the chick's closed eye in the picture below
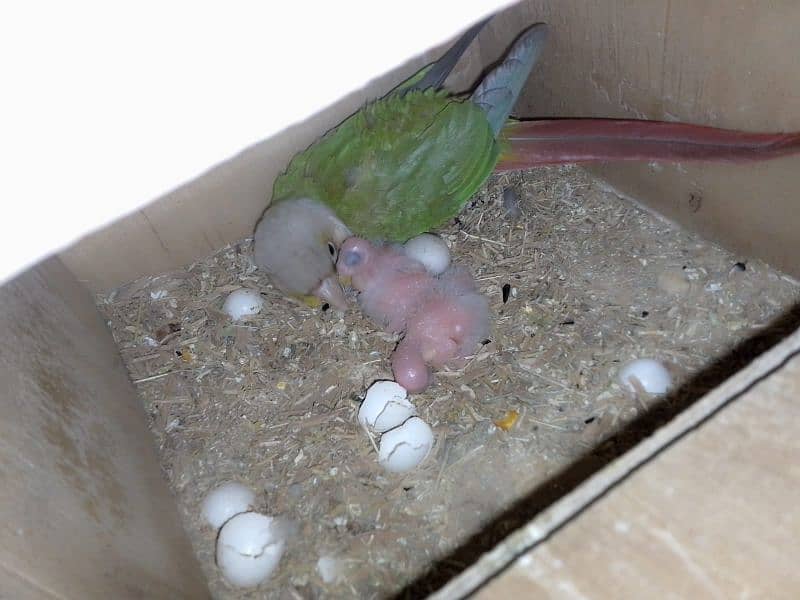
(352, 258)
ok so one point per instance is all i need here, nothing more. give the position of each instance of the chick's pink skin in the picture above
(448, 329)
(444, 318)
(392, 285)
(409, 368)
(363, 270)
(392, 300)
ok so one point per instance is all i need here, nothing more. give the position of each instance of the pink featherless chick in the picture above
(444, 318)
(391, 284)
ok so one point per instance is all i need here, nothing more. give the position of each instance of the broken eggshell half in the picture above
(650, 374)
(243, 303)
(405, 447)
(249, 548)
(385, 406)
(226, 500)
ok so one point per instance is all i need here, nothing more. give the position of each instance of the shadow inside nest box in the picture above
(526, 508)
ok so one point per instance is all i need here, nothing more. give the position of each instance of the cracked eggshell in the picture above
(249, 548)
(243, 302)
(226, 500)
(385, 406)
(651, 374)
(405, 447)
(431, 251)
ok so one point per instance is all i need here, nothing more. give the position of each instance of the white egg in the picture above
(249, 547)
(651, 374)
(226, 500)
(385, 406)
(431, 251)
(243, 302)
(405, 447)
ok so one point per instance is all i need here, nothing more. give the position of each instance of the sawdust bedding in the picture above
(579, 282)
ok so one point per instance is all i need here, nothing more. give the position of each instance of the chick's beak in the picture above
(330, 291)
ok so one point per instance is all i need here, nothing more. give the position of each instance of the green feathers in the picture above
(400, 166)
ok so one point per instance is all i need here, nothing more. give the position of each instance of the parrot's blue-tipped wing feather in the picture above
(498, 91)
(434, 75)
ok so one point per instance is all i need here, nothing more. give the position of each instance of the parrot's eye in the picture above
(352, 258)
(332, 250)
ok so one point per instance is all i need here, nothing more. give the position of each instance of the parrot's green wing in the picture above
(400, 166)
(407, 163)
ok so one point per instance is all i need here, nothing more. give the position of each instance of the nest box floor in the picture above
(591, 282)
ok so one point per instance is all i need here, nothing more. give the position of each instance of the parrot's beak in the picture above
(331, 292)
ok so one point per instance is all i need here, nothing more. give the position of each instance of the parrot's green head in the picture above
(297, 242)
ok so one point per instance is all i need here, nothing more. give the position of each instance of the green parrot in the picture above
(409, 162)
(401, 165)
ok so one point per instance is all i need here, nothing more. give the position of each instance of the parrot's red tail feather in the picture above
(559, 141)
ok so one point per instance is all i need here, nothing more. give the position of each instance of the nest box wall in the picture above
(710, 63)
(86, 512)
(702, 62)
